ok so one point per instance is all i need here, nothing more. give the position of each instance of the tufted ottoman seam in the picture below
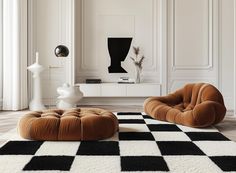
(30, 135)
(58, 128)
(30, 124)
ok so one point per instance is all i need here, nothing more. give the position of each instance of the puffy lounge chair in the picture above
(194, 105)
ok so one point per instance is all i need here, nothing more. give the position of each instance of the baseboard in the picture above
(230, 113)
(50, 102)
(112, 101)
(229, 102)
(122, 101)
(102, 101)
(1, 104)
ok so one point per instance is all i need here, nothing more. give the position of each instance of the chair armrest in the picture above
(208, 112)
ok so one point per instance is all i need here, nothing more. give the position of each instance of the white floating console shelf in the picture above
(120, 90)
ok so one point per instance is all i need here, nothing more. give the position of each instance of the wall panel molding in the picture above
(210, 40)
(151, 70)
(226, 51)
(51, 23)
(1, 53)
(235, 58)
(186, 39)
(177, 83)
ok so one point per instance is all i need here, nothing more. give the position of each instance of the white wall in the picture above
(100, 19)
(50, 22)
(1, 53)
(227, 52)
(201, 47)
(192, 43)
(198, 46)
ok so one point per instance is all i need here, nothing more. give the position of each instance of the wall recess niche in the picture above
(98, 20)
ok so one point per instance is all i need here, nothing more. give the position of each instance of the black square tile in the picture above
(62, 163)
(226, 163)
(132, 121)
(179, 148)
(129, 113)
(143, 163)
(98, 148)
(163, 127)
(147, 117)
(20, 147)
(206, 136)
(136, 136)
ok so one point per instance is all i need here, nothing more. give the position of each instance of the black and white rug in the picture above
(141, 145)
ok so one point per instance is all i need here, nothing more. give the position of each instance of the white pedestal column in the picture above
(36, 103)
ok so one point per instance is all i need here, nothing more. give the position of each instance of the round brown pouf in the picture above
(74, 124)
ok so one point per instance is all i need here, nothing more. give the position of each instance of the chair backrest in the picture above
(194, 94)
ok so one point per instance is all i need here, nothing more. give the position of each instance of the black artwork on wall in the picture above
(118, 49)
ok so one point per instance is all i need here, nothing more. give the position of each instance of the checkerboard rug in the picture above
(141, 145)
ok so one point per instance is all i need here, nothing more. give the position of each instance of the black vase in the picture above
(118, 49)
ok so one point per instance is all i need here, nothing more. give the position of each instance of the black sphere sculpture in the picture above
(118, 49)
(61, 51)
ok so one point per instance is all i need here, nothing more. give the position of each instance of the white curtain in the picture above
(14, 55)
(1, 27)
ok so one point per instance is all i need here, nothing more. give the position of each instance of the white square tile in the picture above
(115, 113)
(217, 148)
(193, 164)
(152, 121)
(58, 148)
(125, 117)
(139, 148)
(190, 129)
(13, 163)
(133, 128)
(95, 164)
(147, 172)
(170, 136)
(2, 143)
(44, 171)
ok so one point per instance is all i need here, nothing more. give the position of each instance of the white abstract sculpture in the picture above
(69, 96)
(36, 103)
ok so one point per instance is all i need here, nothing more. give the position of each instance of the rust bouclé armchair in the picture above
(194, 105)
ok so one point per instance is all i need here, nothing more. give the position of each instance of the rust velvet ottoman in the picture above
(74, 124)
